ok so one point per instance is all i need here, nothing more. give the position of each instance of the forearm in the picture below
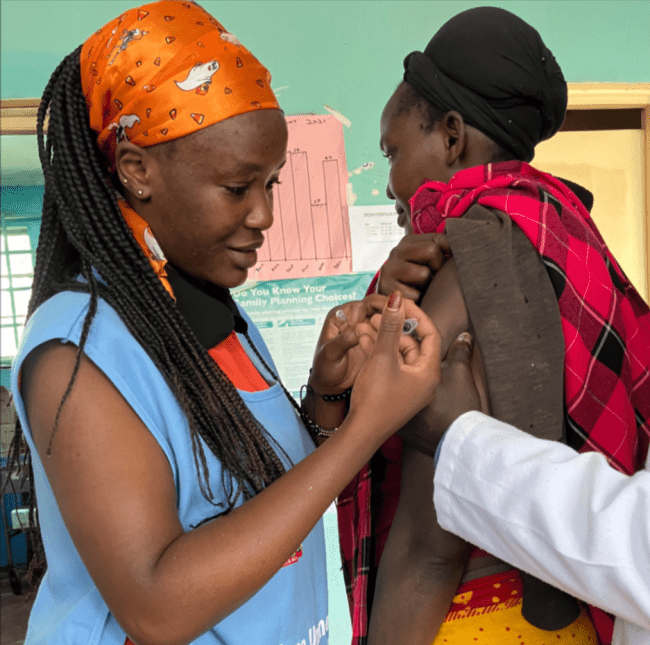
(421, 565)
(507, 493)
(412, 598)
(220, 573)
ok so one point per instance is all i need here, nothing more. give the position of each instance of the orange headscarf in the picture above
(159, 72)
(166, 69)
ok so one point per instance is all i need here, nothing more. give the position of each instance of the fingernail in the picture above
(466, 337)
(395, 301)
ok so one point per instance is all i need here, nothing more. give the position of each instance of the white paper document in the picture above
(374, 232)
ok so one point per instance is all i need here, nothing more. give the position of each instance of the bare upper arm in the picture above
(111, 479)
(444, 303)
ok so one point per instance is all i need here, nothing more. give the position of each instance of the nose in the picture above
(261, 216)
(389, 193)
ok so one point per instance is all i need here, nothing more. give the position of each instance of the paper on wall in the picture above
(311, 232)
(290, 315)
(374, 232)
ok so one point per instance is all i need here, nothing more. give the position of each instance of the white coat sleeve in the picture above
(567, 518)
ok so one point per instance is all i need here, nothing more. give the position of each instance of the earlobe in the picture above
(134, 166)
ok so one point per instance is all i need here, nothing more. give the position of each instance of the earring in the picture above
(139, 192)
(126, 181)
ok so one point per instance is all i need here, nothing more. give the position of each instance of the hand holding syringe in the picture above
(409, 327)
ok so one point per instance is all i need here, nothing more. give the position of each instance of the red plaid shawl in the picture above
(606, 326)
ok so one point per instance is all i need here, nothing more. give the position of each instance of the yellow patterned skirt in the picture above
(487, 611)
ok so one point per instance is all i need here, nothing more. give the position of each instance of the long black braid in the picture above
(84, 234)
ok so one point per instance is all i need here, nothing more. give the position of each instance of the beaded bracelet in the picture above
(329, 398)
(314, 428)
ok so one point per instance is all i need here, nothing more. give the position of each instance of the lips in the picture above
(403, 218)
(247, 249)
(246, 256)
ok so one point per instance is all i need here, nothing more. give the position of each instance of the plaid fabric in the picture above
(606, 326)
(355, 533)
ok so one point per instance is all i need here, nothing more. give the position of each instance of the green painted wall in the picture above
(347, 55)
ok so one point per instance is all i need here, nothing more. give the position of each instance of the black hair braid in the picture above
(85, 245)
(52, 243)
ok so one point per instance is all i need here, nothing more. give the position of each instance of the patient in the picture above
(465, 123)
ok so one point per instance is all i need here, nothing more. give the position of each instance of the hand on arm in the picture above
(412, 263)
(116, 491)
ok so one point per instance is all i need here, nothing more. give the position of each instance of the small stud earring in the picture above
(126, 181)
(139, 192)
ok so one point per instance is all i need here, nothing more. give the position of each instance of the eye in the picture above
(273, 182)
(238, 191)
(388, 155)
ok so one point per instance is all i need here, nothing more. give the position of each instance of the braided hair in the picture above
(83, 234)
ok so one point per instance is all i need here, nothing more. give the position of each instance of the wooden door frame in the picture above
(617, 96)
(18, 116)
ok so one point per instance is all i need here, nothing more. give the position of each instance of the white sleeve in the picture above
(567, 518)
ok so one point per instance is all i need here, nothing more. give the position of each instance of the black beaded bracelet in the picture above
(328, 398)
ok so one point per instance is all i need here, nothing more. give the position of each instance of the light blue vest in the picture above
(291, 609)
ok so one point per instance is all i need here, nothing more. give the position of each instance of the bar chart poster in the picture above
(310, 236)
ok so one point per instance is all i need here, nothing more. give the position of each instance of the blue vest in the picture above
(291, 609)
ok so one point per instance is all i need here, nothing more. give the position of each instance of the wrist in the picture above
(320, 417)
(371, 431)
(329, 398)
(329, 395)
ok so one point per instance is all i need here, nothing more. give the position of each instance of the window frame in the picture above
(30, 224)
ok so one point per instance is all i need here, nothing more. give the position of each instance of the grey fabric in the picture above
(515, 319)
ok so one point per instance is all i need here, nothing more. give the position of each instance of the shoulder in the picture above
(62, 317)
(109, 344)
(54, 331)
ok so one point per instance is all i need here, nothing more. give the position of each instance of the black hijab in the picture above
(493, 68)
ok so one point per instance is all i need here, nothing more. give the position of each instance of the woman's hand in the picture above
(345, 344)
(401, 375)
(412, 264)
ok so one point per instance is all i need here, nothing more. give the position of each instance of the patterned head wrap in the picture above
(493, 68)
(164, 70)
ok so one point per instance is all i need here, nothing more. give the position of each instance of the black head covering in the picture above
(493, 68)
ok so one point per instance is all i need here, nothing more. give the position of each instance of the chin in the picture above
(232, 280)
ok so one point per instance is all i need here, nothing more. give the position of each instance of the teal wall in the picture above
(347, 55)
